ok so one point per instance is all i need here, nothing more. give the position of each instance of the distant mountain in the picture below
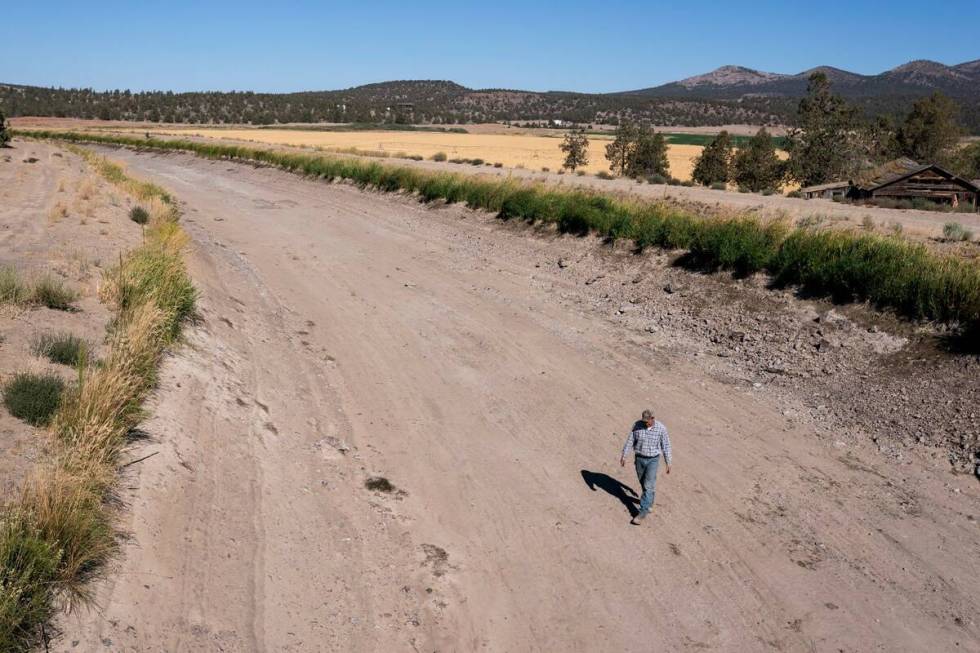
(890, 92)
(728, 95)
(913, 78)
(729, 76)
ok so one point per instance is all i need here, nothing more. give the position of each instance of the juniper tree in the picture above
(620, 152)
(714, 163)
(576, 149)
(650, 155)
(880, 140)
(4, 134)
(756, 167)
(824, 148)
(930, 132)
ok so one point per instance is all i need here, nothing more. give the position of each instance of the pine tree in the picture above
(714, 164)
(649, 155)
(620, 152)
(756, 167)
(930, 131)
(825, 147)
(576, 149)
(880, 141)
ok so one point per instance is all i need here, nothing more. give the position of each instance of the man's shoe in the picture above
(639, 518)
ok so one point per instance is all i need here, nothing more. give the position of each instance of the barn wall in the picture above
(927, 184)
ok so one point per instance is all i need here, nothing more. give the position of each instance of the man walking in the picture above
(649, 441)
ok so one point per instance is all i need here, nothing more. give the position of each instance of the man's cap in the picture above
(647, 414)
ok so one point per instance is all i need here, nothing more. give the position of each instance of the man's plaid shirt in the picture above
(649, 441)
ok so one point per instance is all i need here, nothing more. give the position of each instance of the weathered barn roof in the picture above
(889, 173)
(820, 187)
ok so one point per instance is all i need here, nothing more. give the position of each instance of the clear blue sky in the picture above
(572, 45)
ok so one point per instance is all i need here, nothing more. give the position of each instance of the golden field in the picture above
(530, 151)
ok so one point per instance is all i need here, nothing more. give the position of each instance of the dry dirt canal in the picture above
(346, 335)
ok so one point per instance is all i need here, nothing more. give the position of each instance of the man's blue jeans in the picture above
(646, 471)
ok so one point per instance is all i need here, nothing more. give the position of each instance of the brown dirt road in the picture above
(346, 335)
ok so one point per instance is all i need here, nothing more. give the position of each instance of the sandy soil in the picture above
(346, 335)
(55, 218)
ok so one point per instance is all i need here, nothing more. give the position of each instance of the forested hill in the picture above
(728, 95)
(436, 102)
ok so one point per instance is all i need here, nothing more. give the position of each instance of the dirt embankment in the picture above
(490, 373)
(57, 219)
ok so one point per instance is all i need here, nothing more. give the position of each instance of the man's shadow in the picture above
(612, 486)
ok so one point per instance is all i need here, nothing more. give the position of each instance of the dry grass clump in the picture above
(59, 533)
(45, 291)
(53, 293)
(53, 539)
(58, 211)
(98, 413)
(61, 348)
(66, 509)
(28, 566)
(87, 188)
(154, 274)
(13, 290)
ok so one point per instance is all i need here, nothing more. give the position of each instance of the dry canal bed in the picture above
(489, 374)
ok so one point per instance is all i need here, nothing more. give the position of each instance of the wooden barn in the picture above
(904, 179)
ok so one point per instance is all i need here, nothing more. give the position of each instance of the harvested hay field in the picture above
(518, 150)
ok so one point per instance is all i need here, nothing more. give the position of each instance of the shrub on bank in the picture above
(954, 231)
(33, 397)
(139, 215)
